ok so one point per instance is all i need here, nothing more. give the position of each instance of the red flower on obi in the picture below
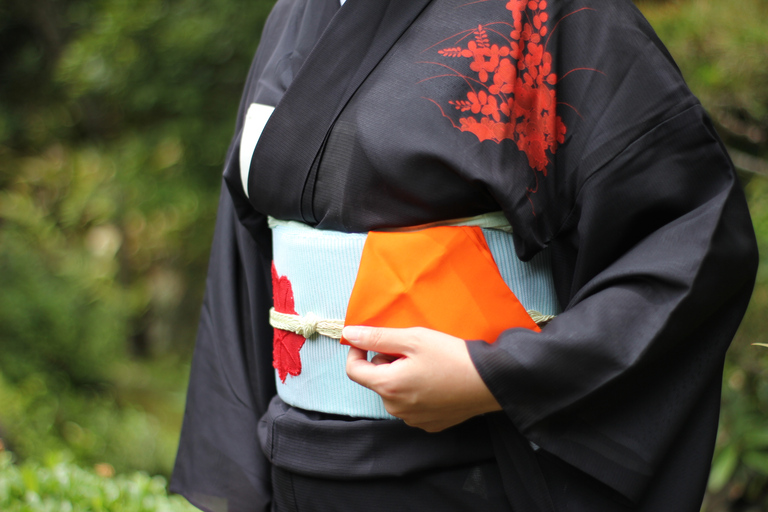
(286, 344)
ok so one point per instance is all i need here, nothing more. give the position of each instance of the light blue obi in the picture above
(322, 266)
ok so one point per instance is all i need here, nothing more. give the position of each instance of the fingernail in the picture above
(352, 332)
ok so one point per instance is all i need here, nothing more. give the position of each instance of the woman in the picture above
(570, 118)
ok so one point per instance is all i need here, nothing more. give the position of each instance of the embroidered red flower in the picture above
(286, 344)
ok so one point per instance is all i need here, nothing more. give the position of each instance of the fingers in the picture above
(379, 339)
(383, 359)
(423, 376)
(357, 356)
(362, 371)
(372, 373)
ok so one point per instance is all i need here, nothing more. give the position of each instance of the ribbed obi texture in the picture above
(322, 266)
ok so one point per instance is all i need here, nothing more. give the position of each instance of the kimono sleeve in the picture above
(660, 258)
(220, 466)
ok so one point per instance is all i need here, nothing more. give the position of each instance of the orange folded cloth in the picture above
(443, 278)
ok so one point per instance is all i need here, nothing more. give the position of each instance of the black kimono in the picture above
(571, 118)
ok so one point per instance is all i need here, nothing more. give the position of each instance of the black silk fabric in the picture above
(569, 116)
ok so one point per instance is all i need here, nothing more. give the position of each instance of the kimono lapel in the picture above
(356, 40)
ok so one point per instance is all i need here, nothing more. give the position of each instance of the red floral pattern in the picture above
(512, 94)
(286, 344)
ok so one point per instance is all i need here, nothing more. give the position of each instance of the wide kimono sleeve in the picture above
(660, 257)
(654, 260)
(219, 465)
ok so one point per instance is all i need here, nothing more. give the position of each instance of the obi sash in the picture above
(314, 274)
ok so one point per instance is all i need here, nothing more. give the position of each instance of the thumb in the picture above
(378, 339)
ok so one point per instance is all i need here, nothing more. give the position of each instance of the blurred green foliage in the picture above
(115, 424)
(114, 119)
(60, 486)
(721, 49)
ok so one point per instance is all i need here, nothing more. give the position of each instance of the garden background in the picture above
(114, 119)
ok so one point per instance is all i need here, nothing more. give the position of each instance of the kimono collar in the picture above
(354, 42)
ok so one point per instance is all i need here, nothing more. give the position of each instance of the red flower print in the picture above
(485, 57)
(533, 141)
(511, 83)
(481, 102)
(504, 78)
(453, 52)
(484, 130)
(286, 344)
(516, 6)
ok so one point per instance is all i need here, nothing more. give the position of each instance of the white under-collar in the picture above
(342, 1)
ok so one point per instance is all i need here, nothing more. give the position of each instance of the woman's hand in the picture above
(425, 377)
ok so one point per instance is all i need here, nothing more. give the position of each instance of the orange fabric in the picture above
(443, 278)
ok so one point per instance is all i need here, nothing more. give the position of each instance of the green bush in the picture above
(56, 319)
(90, 427)
(721, 50)
(114, 120)
(64, 487)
